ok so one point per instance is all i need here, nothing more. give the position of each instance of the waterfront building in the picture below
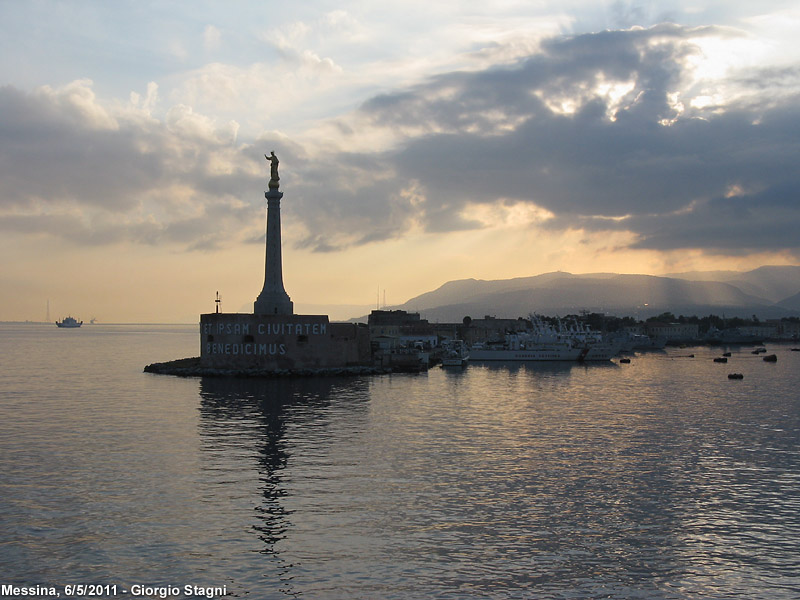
(763, 332)
(673, 332)
(393, 322)
(785, 329)
(478, 331)
(400, 328)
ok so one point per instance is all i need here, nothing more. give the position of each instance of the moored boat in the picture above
(456, 354)
(594, 345)
(600, 351)
(546, 343)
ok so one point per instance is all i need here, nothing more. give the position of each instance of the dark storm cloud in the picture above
(562, 162)
(717, 177)
(669, 171)
(764, 221)
(566, 66)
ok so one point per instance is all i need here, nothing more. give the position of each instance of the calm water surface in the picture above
(655, 479)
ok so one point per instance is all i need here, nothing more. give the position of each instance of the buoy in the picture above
(726, 354)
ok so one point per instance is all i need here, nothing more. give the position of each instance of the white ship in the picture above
(597, 346)
(546, 343)
(69, 322)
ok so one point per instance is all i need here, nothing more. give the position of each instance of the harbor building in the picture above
(673, 332)
(273, 338)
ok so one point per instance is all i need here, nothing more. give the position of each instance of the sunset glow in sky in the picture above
(419, 142)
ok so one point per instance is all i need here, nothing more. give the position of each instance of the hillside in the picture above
(774, 283)
(768, 292)
(791, 303)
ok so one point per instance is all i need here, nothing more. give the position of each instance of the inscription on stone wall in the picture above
(265, 328)
(258, 339)
(245, 349)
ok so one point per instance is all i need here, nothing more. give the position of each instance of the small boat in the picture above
(771, 358)
(721, 360)
(69, 322)
(735, 376)
(455, 354)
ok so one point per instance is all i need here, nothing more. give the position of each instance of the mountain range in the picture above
(767, 292)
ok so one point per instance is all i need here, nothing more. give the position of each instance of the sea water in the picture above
(658, 479)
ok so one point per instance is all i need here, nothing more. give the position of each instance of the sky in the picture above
(419, 142)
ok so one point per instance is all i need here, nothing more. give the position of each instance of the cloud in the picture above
(597, 127)
(60, 144)
(612, 131)
(767, 220)
(70, 168)
(211, 38)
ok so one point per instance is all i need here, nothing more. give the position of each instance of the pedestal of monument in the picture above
(273, 299)
(242, 341)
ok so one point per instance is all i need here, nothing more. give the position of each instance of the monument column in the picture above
(273, 299)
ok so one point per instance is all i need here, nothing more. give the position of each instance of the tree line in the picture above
(609, 323)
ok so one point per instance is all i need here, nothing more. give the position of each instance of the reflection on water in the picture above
(509, 480)
(249, 414)
(251, 419)
(656, 479)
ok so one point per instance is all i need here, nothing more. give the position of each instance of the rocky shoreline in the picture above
(190, 367)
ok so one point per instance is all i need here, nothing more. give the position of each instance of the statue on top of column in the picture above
(273, 169)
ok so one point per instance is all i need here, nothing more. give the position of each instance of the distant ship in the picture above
(547, 343)
(69, 322)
